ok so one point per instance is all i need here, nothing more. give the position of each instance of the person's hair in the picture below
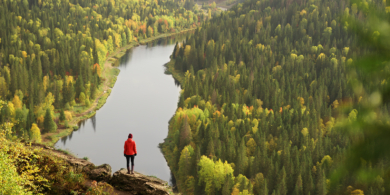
(130, 135)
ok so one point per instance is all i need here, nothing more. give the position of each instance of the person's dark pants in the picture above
(131, 157)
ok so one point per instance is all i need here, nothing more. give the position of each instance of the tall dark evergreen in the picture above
(48, 123)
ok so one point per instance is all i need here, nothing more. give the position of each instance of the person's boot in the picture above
(132, 169)
(128, 170)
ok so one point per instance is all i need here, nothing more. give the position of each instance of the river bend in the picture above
(141, 102)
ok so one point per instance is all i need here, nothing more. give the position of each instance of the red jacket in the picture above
(130, 147)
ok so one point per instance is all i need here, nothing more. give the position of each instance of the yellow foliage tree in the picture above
(187, 50)
(335, 104)
(45, 82)
(118, 40)
(68, 115)
(357, 192)
(17, 103)
(82, 98)
(213, 174)
(97, 68)
(259, 25)
(3, 87)
(41, 109)
(101, 50)
(35, 133)
(305, 132)
(24, 54)
(251, 147)
(11, 108)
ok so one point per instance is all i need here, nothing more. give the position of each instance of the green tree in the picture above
(185, 133)
(49, 125)
(62, 115)
(82, 98)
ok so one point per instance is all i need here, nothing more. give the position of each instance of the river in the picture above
(142, 102)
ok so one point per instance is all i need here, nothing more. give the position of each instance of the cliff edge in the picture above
(139, 184)
(122, 183)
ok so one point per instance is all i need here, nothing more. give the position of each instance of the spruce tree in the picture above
(48, 124)
(62, 115)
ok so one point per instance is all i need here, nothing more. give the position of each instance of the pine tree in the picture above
(62, 115)
(185, 133)
(82, 98)
(49, 125)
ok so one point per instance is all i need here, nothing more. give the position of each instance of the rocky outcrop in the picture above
(101, 173)
(136, 183)
(139, 184)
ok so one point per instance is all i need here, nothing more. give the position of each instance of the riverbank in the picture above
(109, 76)
(176, 74)
(142, 102)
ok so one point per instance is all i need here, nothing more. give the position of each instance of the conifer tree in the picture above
(49, 125)
(62, 115)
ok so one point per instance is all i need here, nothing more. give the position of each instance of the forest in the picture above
(265, 94)
(267, 90)
(52, 53)
(53, 57)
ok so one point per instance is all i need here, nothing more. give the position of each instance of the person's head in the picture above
(130, 135)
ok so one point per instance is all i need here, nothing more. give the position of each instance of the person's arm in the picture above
(135, 149)
(124, 152)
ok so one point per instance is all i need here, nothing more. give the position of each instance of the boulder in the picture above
(138, 184)
(79, 165)
(101, 173)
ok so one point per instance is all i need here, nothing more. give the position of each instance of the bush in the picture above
(67, 106)
(10, 181)
(68, 115)
(66, 124)
(87, 103)
(74, 180)
(100, 188)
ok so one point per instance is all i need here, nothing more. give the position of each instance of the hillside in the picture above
(30, 168)
(264, 85)
(53, 54)
(55, 69)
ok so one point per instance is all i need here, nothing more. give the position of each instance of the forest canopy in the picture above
(52, 53)
(267, 91)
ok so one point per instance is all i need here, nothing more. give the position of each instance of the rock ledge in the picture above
(138, 184)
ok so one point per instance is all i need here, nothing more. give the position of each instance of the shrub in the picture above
(10, 181)
(68, 115)
(100, 188)
(66, 124)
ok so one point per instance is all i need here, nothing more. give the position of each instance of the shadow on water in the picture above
(126, 58)
(93, 120)
(80, 124)
(170, 40)
(172, 182)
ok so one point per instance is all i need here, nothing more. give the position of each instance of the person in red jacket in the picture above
(130, 152)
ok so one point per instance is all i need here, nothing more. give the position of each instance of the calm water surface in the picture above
(142, 102)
